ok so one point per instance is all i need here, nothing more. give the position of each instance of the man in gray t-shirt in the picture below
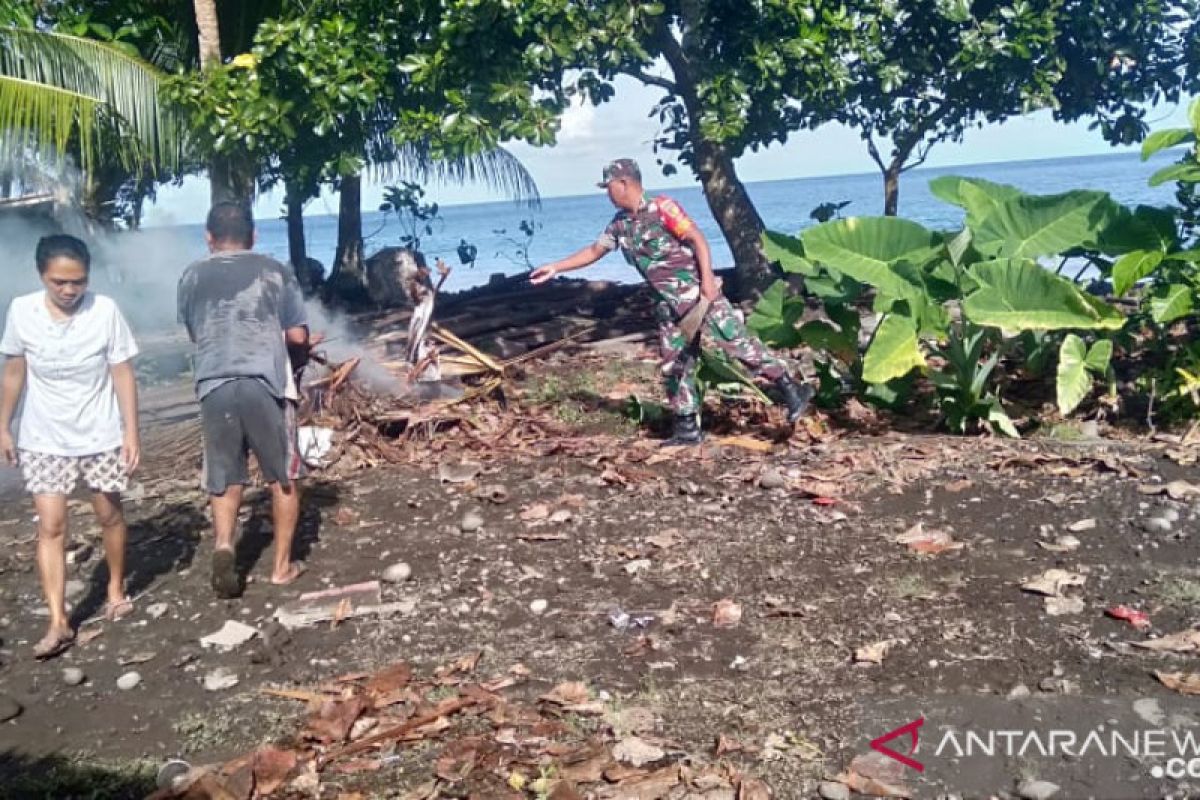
(245, 313)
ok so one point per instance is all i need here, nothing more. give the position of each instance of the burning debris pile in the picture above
(566, 745)
(370, 428)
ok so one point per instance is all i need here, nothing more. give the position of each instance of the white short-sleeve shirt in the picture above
(70, 405)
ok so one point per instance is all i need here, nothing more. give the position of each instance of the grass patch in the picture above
(1180, 593)
(78, 776)
(911, 587)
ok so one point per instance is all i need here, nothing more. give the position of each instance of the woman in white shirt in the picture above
(70, 353)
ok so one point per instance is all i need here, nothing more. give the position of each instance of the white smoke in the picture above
(343, 342)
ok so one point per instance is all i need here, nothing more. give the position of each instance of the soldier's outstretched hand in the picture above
(542, 274)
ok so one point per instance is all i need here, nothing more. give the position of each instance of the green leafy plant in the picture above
(962, 297)
(417, 218)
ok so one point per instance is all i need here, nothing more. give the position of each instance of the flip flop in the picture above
(300, 568)
(53, 645)
(224, 574)
(118, 610)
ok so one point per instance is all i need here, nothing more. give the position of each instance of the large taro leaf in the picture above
(893, 352)
(774, 318)
(1019, 295)
(867, 248)
(1132, 267)
(1145, 228)
(788, 251)
(1030, 226)
(976, 195)
(1076, 365)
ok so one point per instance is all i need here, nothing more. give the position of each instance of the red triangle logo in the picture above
(910, 728)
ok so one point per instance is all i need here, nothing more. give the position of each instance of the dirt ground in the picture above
(802, 541)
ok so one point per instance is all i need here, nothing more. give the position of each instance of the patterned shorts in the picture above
(50, 474)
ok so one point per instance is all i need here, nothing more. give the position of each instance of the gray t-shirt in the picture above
(236, 306)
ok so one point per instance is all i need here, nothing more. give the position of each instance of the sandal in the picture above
(118, 610)
(53, 645)
(299, 568)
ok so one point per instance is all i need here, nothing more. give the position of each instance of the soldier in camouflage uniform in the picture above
(659, 240)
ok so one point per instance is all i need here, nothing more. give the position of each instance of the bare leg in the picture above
(52, 559)
(112, 522)
(225, 509)
(224, 570)
(285, 515)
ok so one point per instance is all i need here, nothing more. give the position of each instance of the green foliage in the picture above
(417, 218)
(951, 303)
(426, 89)
(1076, 364)
(916, 74)
(962, 386)
(893, 351)
(59, 93)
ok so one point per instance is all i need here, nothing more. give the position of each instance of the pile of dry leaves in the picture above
(566, 745)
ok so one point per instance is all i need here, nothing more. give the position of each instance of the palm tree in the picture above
(62, 96)
(496, 168)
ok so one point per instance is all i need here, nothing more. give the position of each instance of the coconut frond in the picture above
(52, 84)
(495, 168)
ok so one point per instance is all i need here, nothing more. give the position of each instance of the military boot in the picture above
(687, 431)
(796, 396)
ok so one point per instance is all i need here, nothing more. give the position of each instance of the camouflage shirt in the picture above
(651, 241)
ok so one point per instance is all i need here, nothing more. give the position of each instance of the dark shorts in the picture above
(242, 417)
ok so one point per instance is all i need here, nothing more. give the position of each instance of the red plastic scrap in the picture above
(1138, 619)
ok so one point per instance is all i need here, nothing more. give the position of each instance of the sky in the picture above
(591, 136)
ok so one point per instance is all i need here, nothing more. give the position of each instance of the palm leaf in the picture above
(52, 85)
(495, 168)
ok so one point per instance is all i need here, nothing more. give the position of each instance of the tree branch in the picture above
(874, 151)
(654, 80)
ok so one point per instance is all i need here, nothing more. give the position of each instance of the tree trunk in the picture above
(731, 206)
(297, 252)
(209, 33)
(737, 217)
(229, 178)
(891, 187)
(349, 257)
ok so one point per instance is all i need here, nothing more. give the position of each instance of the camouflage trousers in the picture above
(722, 330)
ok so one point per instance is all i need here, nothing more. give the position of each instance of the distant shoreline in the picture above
(696, 184)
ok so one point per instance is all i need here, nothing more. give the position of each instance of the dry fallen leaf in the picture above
(458, 471)
(1063, 544)
(753, 789)
(637, 751)
(1062, 606)
(1182, 682)
(667, 539)
(1052, 582)
(1176, 490)
(726, 613)
(535, 512)
(1181, 642)
(873, 653)
(929, 542)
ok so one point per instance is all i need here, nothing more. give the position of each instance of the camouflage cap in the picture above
(621, 168)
